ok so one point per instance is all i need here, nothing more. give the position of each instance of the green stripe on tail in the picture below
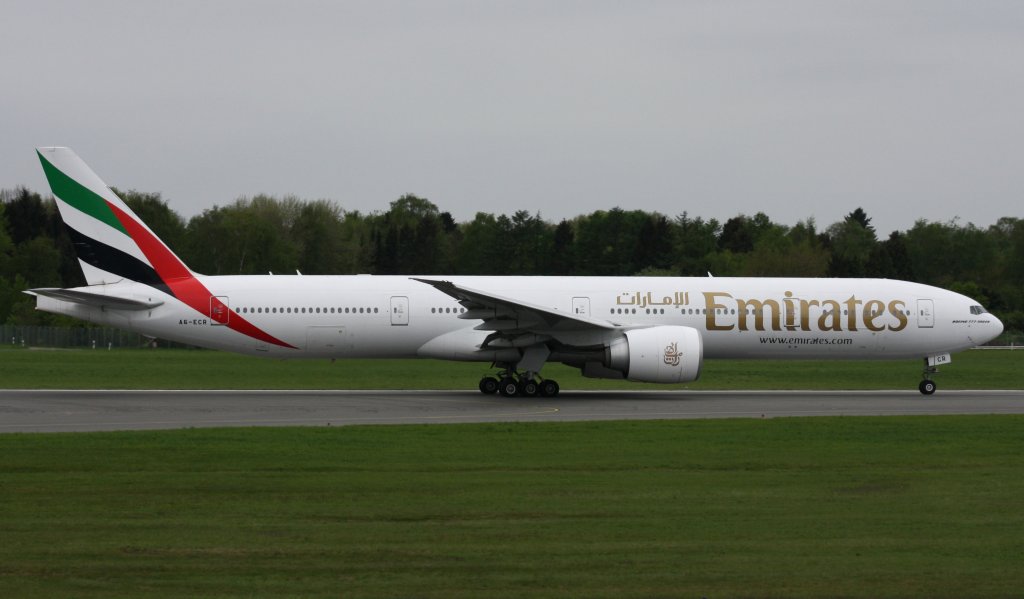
(78, 196)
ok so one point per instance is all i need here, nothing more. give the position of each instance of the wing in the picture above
(515, 322)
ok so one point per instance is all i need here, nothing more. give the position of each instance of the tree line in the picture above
(266, 234)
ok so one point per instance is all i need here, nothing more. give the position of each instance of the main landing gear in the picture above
(511, 383)
(927, 386)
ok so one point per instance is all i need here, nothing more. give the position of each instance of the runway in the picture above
(76, 410)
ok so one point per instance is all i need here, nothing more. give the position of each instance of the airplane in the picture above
(647, 329)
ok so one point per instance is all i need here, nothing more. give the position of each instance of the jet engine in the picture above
(665, 354)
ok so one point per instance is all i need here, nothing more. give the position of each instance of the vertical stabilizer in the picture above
(111, 242)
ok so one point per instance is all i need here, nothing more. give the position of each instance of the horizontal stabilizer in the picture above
(95, 299)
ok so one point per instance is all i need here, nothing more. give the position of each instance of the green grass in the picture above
(200, 369)
(858, 507)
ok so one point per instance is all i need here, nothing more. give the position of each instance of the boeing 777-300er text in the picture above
(653, 329)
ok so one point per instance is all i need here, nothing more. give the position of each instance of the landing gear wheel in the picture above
(926, 387)
(508, 387)
(548, 388)
(529, 388)
(488, 385)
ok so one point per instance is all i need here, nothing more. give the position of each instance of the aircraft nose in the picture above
(997, 327)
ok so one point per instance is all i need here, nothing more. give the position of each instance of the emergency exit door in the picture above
(581, 306)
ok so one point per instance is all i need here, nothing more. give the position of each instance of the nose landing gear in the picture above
(927, 386)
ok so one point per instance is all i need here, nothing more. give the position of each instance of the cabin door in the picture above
(220, 310)
(925, 313)
(399, 311)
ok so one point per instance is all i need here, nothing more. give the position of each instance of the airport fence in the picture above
(78, 337)
(1008, 340)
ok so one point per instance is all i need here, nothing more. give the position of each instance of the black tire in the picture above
(549, 388)
(508, 387)
(488, 385)
(926, 387)
(529, 388)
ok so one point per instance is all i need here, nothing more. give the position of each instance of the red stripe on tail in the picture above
(184, 285)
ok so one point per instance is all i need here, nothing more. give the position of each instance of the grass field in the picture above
(856, 507)
(200, 369)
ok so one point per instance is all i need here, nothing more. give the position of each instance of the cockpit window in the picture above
(977, 310)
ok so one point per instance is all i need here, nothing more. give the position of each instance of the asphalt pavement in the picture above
(91, 410)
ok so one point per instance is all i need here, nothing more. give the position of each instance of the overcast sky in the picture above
(797, 109)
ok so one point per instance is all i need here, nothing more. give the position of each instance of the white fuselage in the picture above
(397, 317)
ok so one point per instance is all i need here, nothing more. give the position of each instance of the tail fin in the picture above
(113, 245)
(111, 242)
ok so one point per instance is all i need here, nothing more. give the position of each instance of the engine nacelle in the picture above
(665, 354)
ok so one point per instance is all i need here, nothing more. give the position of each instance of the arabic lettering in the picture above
(643, 299)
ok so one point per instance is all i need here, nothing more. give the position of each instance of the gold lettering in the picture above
(872, 310)
(805, 313)
(790, 316)
(869, 314)
(758, 306)
(709, 301)
(830, 311)
(851, 317)
(896, 309)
